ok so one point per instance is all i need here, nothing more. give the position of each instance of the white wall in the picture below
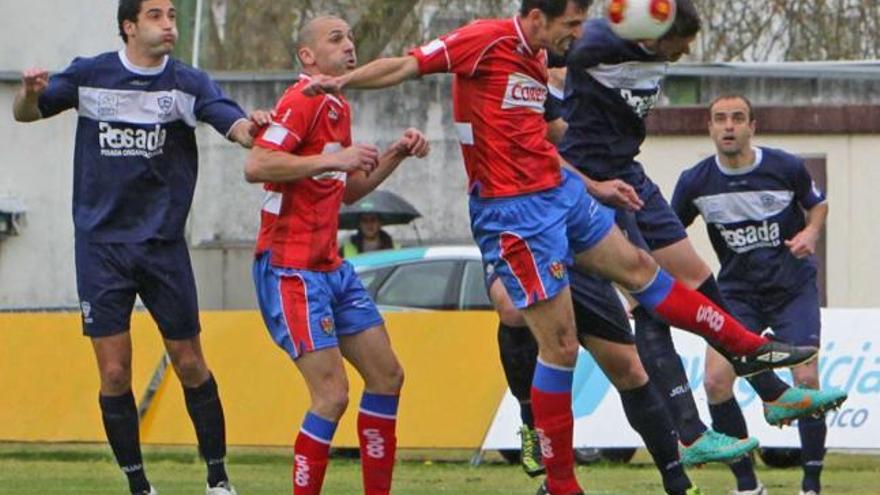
(49, 33)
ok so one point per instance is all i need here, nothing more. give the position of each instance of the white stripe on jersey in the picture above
(734, 207)
(137, 107)
(276, 134)
(272, 202)
(630, 75)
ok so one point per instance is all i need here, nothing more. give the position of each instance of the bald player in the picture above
(313, 303)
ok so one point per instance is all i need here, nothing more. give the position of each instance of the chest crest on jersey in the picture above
(108, 105)
(165, 104)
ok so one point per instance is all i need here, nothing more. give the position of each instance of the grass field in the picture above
(49, 469)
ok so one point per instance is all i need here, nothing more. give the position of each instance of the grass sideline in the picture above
(49, 469)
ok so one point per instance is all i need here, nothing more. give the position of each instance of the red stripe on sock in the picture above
(689, 310)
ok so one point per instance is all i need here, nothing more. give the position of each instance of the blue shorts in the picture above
(530, 240)
(306, 311)
(657, 223)
(109, 276)
(792, 315)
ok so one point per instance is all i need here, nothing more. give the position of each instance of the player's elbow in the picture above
(254, 169)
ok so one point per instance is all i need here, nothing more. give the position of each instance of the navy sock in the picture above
(727, 418)
(206, 411)
(663, 364)
(648, 415)
(812, 431)
(120, 417)
(519, 354)
(768, 385)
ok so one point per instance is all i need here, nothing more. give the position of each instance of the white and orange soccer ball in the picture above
(641, 19)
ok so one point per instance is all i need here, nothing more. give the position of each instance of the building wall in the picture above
(49, 33)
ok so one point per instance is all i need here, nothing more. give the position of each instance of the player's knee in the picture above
(115, 378)
(640, 270)
(627, 374)
(563, 352)
(718, 385)
(332, 403)
(191, 370)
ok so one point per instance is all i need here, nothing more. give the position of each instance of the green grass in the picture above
(48, 469)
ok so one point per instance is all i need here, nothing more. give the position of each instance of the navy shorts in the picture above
(792, 315)
(598, 311)
(110, 275)
(657, 223)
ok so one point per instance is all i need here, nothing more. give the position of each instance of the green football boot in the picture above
(530, 457)
(799, 402)
(715, 447)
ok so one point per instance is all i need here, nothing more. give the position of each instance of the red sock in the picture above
(689, 310)
(554, 423)
(378, 446)
(310, 458)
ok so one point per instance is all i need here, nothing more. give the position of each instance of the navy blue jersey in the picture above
(135, 161)
(611, 86)
(749, 213)
(553, 104)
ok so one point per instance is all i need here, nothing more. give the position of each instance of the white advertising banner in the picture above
(849, 359)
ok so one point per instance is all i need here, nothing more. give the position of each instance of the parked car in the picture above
(437, 278)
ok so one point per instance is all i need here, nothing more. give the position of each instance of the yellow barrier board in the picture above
(49, 380)
(453, 385)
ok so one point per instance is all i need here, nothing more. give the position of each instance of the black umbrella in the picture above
(391, 209)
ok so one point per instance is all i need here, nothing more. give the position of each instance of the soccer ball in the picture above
(641, 19)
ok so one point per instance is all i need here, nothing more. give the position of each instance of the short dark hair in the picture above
(687, 20)
(733, 96)
(128, 11)
(551, 8)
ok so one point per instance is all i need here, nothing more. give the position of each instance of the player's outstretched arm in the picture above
(412, 143)
(266, 165)
(33, 83)
(380, 73)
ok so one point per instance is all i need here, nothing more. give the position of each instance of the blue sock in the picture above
(318, 428)
(663, 364)
(552, 379)
(380, 405)
(812, 432)
(648, 415)
(727, 418)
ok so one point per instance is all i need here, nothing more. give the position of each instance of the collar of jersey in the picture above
(522, 36)
(759, 157)
(142, 71)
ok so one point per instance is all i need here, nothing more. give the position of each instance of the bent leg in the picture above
(618, 260)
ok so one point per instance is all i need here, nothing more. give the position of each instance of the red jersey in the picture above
(303, 234)
(498, 105)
